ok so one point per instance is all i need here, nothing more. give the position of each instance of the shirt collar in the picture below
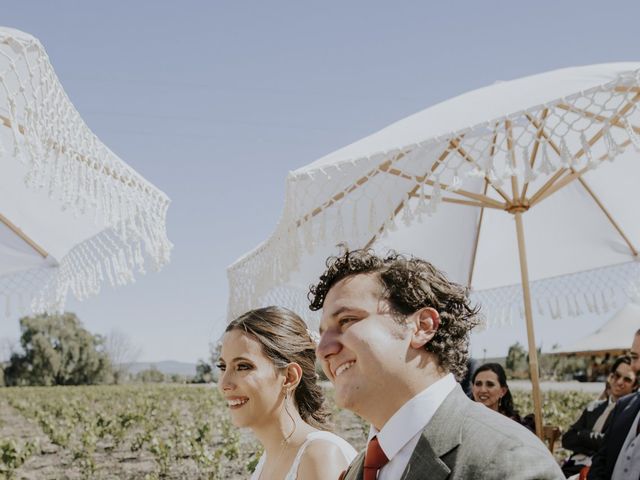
(412, 417)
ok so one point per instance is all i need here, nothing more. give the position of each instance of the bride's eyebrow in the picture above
(238, 359)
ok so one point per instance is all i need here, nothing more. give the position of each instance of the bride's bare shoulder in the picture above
(322, 459)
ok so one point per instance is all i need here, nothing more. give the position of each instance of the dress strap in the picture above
(347, 450)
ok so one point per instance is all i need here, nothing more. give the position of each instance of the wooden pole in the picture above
(41, 251)
(533, 355)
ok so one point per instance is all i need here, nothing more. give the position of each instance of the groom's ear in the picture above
(292, 376)
(426, 322)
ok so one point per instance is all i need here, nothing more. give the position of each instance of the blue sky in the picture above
(214, 102)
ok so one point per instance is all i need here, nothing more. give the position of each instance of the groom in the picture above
(394, 333)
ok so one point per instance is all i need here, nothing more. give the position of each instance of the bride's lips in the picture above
(235, 403)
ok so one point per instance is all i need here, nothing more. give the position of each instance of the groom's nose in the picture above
(329, 344)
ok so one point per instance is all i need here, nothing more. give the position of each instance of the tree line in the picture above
(58, 350)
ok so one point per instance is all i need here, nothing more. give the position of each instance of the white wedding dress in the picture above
(347, 450)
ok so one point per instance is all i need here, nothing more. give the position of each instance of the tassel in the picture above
(338, 229)
(546, 167)
(605, 305)
(477, 172)
(436, 196)
(565, 155)
(631, 133)
(391, 223)
(407, 215)
(456, 182)
(372, 218)
(529, 175)
(570, 310)
(307, 234)
(588, 303)
(323, 227)
(556, 313)
(422, 203)
(613, 149)
(591, 163)
(355, 231)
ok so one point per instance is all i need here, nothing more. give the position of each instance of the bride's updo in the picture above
(285, 339)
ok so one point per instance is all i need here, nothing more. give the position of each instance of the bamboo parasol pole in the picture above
(533, 355)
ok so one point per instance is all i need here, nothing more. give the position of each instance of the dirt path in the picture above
(13, 425)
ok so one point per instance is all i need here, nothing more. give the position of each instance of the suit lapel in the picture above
(440, 437)
(356, 469)
(423, 460)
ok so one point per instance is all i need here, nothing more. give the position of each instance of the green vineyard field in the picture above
(157, 431)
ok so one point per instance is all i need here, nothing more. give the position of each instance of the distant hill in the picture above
(166, 366)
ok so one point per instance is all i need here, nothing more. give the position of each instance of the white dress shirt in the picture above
(399, 436)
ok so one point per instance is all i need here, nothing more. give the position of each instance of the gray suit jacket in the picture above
(466, 440)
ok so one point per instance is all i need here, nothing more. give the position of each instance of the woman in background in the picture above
(489, 387)
(268, 377)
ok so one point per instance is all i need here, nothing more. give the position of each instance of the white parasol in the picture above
(72, 214)
(550, 158)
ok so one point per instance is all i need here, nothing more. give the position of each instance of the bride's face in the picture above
(249, 381)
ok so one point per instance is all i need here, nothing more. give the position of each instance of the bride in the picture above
(268, 378)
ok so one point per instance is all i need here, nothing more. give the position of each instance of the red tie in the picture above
(374, 459)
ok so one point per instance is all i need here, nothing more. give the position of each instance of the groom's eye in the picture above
(346, 320)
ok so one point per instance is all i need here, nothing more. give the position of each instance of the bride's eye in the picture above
(244, 366)
(221, 366)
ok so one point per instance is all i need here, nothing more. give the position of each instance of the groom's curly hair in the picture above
(410, 284)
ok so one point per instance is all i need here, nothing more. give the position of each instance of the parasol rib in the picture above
(384, 166)
(543, 191)
(434, 167)
(634, 251)
(564, 181)
(479, 198)
(595, 116)
(471, 160)
(459, 201)
(627, 89)
(476, 240)
(514, 178)
(23, 236)
(82, 158)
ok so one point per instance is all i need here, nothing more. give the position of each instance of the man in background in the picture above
(619, 456)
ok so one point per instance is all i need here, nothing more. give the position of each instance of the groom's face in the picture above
(363, 348)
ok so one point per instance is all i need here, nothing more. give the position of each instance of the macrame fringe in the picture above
(65, 159)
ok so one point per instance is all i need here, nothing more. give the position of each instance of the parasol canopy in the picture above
(72, 213)
(612, 337)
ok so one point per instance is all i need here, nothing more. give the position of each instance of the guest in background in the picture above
(585, 436)
(489, 387)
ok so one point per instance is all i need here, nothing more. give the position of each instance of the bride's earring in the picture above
(286, 409)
